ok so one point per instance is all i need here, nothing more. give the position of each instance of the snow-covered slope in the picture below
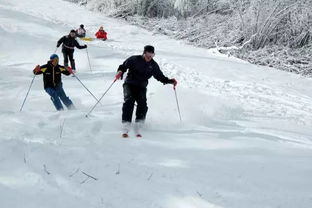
(245, 139)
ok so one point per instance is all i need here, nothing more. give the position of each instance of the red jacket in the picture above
(101, 34)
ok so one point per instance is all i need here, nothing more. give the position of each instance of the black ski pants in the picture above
(134, 94)
(69, 54)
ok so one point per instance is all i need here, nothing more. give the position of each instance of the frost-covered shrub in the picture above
(275, 22)
(254, 27)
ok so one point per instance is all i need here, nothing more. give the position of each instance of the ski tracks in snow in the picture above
(258, 100)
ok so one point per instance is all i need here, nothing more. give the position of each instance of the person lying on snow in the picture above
(52, 82)
(101, 34)
(69, 43)
(81, 32)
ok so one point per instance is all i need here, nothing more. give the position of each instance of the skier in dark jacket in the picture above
(52, 81)
(140, 69)
(69, 43)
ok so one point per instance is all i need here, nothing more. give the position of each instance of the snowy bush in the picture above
(252, 26)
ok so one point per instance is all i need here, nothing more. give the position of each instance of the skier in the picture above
(101, 34)
(69, 43)
(53, 82)
(81, 32)
(141, 68)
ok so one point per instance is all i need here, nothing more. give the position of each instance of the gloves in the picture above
(70, 70)
(119, 75)
(37, 69)
(58, 45)
(85, 46)
(174, 82)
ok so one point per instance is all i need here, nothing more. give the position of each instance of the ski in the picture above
(125, 135)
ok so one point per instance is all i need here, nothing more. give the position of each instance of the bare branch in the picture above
(118, 170)
(74, 173)
(199, 194)
(45, 169)
(90, 176)
(25, 158)
(149, 178)
(61, 128)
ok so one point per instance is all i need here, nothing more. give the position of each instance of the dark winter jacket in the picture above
(140, 71)
(69, 43)
(52, 74)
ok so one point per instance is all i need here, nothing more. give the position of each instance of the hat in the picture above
(54, 56)
(81, 25)
(73, 31)
(149, 48)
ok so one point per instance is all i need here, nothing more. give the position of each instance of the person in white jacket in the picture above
(81, 32)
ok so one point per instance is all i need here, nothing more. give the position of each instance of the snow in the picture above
(245, 139)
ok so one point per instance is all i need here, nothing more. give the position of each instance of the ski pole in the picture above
(62, 128)
(101, 98)
(175, 92)
(32, 81)
(86, 88)
(88, 59)
(55, 50)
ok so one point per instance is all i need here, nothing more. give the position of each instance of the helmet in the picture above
(81, 25)
(54, 56)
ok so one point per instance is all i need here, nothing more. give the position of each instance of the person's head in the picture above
(149, 52)
(81, 26)
(54, 59)
(72, 33)
(101, 28)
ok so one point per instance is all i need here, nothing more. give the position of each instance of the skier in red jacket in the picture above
(101, 34)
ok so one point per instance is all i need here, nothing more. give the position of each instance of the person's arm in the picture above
(105, 35)
(60, 41)
(79, 46)
(65, 70)
(159, 76)
(39, 69)
(124, 67)
(83, 33)
(126, 64)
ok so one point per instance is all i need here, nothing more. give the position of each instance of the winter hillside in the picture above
(245, 140)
